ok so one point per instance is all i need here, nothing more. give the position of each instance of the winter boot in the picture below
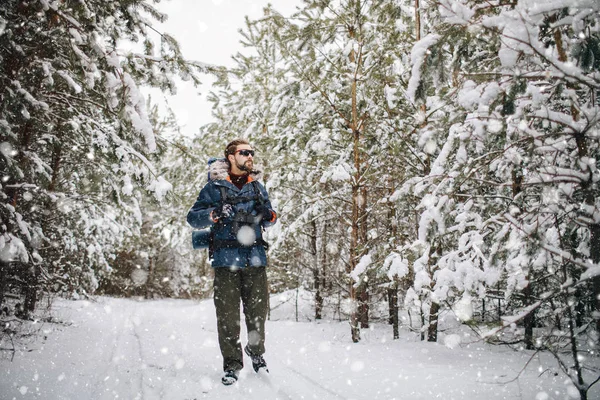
(230, 377)
(258, 361)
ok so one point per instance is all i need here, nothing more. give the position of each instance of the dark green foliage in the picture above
(587, 53)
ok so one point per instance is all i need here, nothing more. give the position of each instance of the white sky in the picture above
(207, 31)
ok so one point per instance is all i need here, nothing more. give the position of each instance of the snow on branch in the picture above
(70, 81)
(418, 56)
(454, 12)
(551, 174)
(556, 251)
(396, 266)
(510, 320)
(12, 248)
(361, 267)
(519, 29)
(513, 319)
(136, 110)
(160, 187)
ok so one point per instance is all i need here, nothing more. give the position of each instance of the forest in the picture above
(434, 156)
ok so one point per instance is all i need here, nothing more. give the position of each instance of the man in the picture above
(237, 207)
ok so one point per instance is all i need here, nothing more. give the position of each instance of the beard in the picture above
(247, 166)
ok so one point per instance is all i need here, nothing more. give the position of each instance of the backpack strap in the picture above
(223, 191)
(236, 200)
(259, 197)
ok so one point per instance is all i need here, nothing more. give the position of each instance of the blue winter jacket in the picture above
(252, 254)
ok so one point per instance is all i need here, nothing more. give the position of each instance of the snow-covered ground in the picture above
(167, 349)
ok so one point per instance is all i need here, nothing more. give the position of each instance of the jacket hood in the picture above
(219, 170)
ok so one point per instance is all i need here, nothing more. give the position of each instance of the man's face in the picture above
(242, 159)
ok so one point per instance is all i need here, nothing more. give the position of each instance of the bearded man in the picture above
(237, 207)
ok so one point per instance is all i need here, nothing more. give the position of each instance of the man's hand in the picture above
(222, 212)
(265, 212)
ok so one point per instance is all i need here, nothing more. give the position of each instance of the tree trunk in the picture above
(355, 245)
(422, 319)
(30, 289)
(499, 310)
(318, 295)
(363, 232)
(483, 310)
(150, 282)
(529, 319)
(394, 285)
(316, 269)
(581, 386)
(354, 255)
(3, 274)
(580, 307)
(393, 309)
(595, 253)
(417, 21)
(363, 305)
(322, 274)
(392, 296)
(432, 329)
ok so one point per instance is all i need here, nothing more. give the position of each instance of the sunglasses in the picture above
(246, 153)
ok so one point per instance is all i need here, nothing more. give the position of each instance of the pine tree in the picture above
(529, 134)
(75, 134)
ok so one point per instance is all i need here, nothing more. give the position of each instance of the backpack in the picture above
(202, 238)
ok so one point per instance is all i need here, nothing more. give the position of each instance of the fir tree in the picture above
(75, 134)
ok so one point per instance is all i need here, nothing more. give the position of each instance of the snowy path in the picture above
(126, 349)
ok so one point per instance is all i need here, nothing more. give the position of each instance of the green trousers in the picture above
(250, 285)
